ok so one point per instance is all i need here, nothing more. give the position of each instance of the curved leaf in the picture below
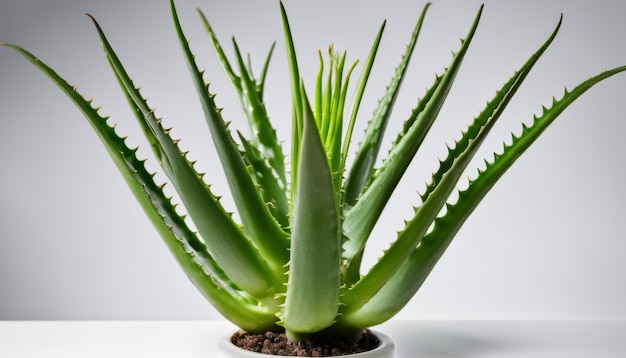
(237, 256)
(361, 218)
(363, 165)
(258, 223)
(444, 183)
(402, 286)
(189, 251)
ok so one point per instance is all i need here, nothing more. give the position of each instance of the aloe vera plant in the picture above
(292, 260)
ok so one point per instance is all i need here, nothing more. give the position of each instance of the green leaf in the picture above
(329, 109)
(221, 55)
(444, 182)
(261, 80)
(369, 148)
(258, 222)
(261, 149)
(402, 286)
(319, 100)
(190, 252)
(192, 255)
(268, 183)
(296, 100)
(263, 134)
(313, 288)
(237, 256)
(356, 103)
(335, 144)
(361, 218)
(489, 115)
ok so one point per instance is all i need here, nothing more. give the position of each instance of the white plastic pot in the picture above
(386, 349)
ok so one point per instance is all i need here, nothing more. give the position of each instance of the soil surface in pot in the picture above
(319, 346)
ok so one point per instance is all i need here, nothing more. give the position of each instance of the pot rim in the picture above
(384, 350)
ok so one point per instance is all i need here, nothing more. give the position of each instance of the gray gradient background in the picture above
(547, 242)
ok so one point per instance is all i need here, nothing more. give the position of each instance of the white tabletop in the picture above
(424, 339)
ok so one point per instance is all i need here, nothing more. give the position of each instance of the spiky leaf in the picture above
(313, 287)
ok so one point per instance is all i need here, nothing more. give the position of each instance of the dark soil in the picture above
(318, 346)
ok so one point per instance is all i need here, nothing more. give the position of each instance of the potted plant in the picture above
(291, 262)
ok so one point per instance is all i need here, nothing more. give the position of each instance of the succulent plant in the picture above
(292, 258)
